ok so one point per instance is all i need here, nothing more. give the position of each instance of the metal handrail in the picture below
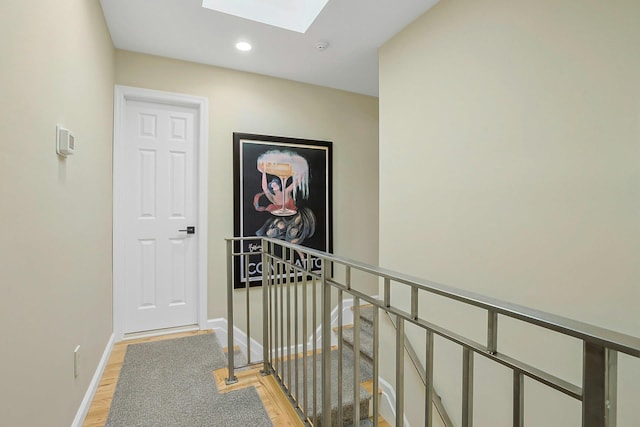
(597, 335)
(600, 345)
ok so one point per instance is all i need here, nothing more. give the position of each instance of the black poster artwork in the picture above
(282, 190)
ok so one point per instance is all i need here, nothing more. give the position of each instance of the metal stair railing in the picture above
(289, 266)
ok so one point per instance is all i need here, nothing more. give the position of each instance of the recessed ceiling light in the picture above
(243, 46)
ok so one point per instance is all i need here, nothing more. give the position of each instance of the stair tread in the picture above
(366, 339)
(366, 372)
(366, 312)
(369, 422)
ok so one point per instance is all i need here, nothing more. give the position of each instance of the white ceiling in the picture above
(183, 29)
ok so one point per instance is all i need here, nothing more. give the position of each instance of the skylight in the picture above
(294, 15)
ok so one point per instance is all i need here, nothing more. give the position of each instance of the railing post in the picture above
(414, 302)
(281, 272)
(376, 363)
(289, 278)
(356, 362)
(387, 292)
(467, 388)
(428, 400)
(340, 414)
(305, 399)
(518, 399)
(295, 329)
(231, 379)
(599, 380)
(266, 271)
(399, 372)
(326, 346)
(611, 391)
(247, 286)
(492, 332)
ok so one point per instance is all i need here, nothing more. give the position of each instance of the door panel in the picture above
(160, 168)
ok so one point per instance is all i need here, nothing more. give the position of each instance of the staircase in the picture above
(296, 367)
(347, 389)
(366, 366)
(366, 334)
(299, 286)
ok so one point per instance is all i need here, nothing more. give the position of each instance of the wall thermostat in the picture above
(65, 141)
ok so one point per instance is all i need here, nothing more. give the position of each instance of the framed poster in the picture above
(282, 190)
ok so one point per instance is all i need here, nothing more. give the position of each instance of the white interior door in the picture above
(158, 204)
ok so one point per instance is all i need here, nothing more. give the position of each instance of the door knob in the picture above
(189, 230)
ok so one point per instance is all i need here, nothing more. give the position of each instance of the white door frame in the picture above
(122, 95)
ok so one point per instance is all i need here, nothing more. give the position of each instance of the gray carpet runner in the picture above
(170, 383)
(366, 333)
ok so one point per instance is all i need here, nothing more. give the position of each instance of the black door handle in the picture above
(189, 230)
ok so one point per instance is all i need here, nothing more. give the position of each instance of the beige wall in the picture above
(57, 63)
(244, 102)
(510, 137)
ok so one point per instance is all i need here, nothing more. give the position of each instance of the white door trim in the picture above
(122, 95)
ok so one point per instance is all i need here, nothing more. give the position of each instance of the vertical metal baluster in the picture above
(282, 337)
(340, 350)
(276, 326)
(467, 387)
(326, 345)
(599, 378)
(347, 279)
(414, 302)
(492, 332)
(285, 312)
(315, 351)
(428, 399)
(288, 279)
(387, 292)
(231, 379)
(305, 401)
(295, 328)
(278, 312)
(518, 399)
(376, 363)
(274, 307)
(265, 310)
(356, 358)
(247, 287)
(611, 391)
(400, 372)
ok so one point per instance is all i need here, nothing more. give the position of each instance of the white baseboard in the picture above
(93, 385)
(388, 403)
(220, 327)
(160, 332)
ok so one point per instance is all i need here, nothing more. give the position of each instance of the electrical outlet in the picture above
(76, 362)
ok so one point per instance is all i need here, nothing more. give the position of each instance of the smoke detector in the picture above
(322, 45)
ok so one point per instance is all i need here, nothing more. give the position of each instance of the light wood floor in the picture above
(275, 401)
